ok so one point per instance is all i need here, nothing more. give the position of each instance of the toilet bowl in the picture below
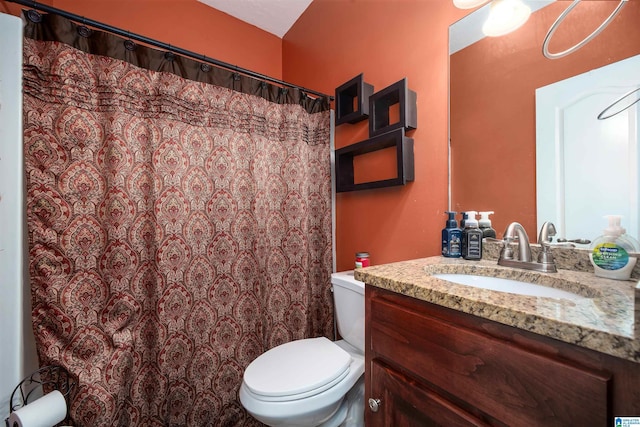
(314, 381)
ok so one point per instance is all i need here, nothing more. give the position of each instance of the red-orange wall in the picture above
(335, 40)
(493, 133)
(188, 24)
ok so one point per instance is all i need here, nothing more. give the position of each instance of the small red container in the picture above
(362, 259)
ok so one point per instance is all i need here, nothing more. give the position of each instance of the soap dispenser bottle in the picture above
(464, 215)
(471, 238)
(610, 253)
(451, 237)
(485, 225)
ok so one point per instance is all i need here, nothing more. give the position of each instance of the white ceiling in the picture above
(273, 16)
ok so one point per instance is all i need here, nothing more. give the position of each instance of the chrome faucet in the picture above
(516, 232)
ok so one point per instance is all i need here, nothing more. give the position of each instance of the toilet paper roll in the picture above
(46, 411)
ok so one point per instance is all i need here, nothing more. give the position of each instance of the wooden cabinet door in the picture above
(501, 379)
(404, 402)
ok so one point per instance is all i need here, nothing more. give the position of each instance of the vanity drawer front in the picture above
(506, 381)
(403, 402)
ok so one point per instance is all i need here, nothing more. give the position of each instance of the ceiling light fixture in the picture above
(468, 4)
(505, 16)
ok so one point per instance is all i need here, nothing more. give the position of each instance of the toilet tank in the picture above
(348, 296)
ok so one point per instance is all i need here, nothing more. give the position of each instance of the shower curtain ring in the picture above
(83, 30)
(129, 44)
(169, 55)
(204, 67)
(34, 16)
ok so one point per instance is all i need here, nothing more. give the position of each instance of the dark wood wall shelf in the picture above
(404, 161)
(380, 104)
(352, 100)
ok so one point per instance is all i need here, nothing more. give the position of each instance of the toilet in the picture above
(314, 381)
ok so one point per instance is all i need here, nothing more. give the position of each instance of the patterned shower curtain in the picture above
(177, 230)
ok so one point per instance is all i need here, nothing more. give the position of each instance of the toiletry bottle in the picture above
(471, 238)
(485, 225)
(464, 216)
(610, 252)
(451, 237)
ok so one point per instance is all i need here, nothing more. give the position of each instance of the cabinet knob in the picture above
(374, 404)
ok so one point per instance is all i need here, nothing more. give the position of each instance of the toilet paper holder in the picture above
(44, 380)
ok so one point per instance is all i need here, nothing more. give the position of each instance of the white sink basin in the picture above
(508, 285)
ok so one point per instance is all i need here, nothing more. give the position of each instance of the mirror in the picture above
(492, 119)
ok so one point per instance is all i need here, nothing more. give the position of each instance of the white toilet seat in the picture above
(313, 410)
(297, 370)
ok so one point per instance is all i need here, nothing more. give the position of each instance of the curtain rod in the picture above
(105, 27)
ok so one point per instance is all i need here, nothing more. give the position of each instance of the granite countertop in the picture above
(603, 321)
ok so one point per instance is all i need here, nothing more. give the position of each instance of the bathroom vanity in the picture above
(439, 353)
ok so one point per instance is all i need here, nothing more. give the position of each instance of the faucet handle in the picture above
(547, 231)
(507, 250)
(579, 241)
(545, 257)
